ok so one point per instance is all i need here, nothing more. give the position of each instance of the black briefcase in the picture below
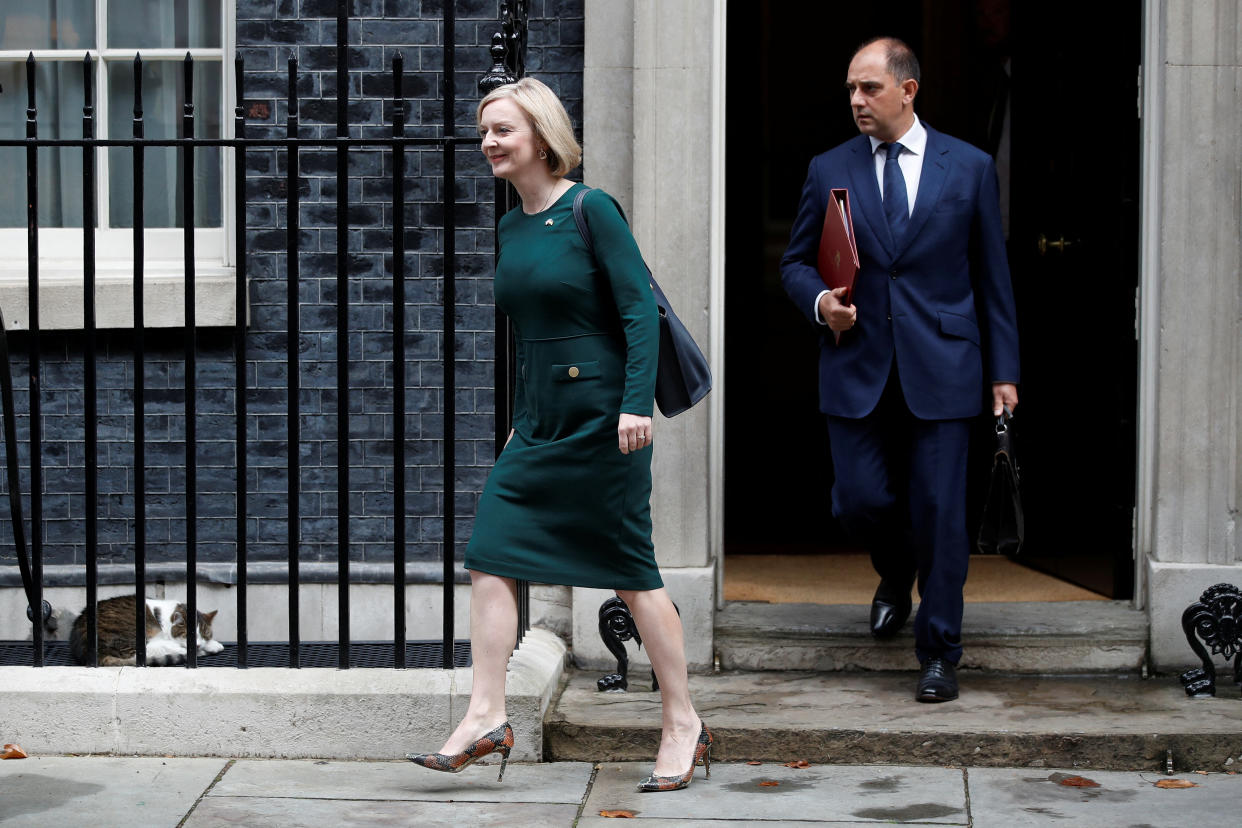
(1001, 529)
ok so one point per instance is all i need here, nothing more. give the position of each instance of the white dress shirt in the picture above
(913, 148)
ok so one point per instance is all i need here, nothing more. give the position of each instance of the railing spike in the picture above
(88, 88)
(137, 87)
(239, 66)
(293, 88)
(188, 74)
(31, 110)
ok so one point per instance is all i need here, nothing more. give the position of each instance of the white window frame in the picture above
(61, 256)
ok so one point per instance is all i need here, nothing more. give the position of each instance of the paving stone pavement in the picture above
(105, 791)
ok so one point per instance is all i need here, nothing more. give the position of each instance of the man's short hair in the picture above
(902, 63)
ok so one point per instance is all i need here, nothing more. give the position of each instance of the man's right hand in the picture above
(838, 316)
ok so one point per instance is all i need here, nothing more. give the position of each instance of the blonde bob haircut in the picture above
(548, 117)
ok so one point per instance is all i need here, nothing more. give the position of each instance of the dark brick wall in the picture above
(268, 32)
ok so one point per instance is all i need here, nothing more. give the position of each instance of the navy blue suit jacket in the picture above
(939, 299)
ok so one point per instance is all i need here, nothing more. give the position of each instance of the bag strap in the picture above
(584, 230)
(581, 221)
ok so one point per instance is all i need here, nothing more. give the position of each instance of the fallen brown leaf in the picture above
(756, 762)
(1176, 783)
(617, 814)
(768, 783)
(1079, 782)
(798, 763)
(13, 752)
(1202, 773)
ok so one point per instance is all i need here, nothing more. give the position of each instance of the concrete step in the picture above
(1086, 637)
(1102, 722)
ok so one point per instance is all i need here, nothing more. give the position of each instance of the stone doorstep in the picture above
(1085, 637)
(1100, 722)
(266, 712)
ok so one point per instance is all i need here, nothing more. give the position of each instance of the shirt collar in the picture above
(914, 140)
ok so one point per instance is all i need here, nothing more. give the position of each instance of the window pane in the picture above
(60, 24)
(58, 95)
(168, 24)
(162, 102)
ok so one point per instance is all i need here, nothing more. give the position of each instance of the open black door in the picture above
(1074, 221)
(1055, 83)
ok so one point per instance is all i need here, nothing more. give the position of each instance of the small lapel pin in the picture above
(548, 223)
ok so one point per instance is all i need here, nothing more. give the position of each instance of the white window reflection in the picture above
(143, 24)
(162, 99)
(47, 24)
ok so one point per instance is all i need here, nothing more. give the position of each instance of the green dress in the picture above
(563, 505)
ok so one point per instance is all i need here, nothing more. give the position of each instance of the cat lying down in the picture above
(166, 633)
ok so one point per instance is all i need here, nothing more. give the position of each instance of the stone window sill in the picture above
(60, 279)
(61, 296)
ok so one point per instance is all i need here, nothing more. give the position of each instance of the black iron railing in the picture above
(508, 59)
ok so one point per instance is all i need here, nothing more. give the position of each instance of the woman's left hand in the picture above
(633, 432)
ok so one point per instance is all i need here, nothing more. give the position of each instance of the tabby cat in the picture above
(166, 633)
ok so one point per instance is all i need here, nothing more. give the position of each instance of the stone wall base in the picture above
(1171, 587)
(692, 589)
(267, 712)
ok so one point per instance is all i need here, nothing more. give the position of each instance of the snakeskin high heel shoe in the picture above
(702, 753)
(499, 741)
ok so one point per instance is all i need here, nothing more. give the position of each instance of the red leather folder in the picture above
(838, 252)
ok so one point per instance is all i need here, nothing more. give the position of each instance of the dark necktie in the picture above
(896, 206)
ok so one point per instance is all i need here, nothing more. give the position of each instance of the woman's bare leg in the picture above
(660, 626)
(493, 634)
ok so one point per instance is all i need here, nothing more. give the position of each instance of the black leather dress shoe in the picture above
(937, 682)
(889, 610)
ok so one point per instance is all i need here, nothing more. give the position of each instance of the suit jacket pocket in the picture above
(955, 203)
(952, 324)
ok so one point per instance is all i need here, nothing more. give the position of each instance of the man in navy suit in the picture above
(930, 334)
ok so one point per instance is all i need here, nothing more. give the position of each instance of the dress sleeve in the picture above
(622, 264)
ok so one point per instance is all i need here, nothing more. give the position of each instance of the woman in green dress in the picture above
(568, 501)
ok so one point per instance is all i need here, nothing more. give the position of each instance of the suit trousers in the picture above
(900, 490)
